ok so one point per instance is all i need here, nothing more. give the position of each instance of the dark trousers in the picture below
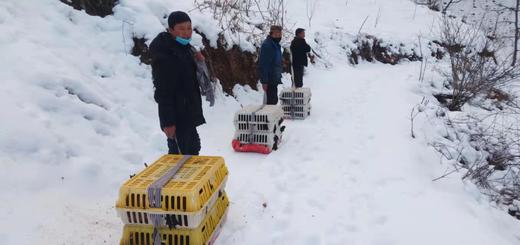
(298, 75)
(187, 141)
(272, 94)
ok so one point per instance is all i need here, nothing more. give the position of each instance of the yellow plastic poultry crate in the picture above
(171, 219)
(188, 191)
(205, 234)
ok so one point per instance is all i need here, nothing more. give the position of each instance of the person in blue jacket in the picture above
(270, 64)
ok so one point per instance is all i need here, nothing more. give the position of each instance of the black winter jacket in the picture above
(177, 90)
(299, 50)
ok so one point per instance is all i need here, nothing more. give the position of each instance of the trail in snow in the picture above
(351, 174)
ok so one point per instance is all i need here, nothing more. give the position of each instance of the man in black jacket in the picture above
(177, 90)
(299, 50)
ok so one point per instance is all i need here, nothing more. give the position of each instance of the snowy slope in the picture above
(78, 118)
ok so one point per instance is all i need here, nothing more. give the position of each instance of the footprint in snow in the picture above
(315, 204)
(380, 220)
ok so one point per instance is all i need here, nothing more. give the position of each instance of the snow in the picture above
(78, 118)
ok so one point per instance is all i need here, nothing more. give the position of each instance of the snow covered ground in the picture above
(78, 118)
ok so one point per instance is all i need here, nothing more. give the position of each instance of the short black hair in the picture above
(275, 28)
(299, 30)
(177, 17)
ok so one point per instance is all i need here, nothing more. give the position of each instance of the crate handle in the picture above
(154, 190)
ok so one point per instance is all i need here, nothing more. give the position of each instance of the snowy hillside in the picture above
(78, 118)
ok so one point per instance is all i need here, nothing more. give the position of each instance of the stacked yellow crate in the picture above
(177, 200)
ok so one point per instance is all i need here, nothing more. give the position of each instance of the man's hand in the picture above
(199, 56)
(170, 131)
(264, 86)
(311, 57)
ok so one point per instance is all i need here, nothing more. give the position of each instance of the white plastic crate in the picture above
(259, 113)
(271, 140)
(296, 108)
(259, 127)
(296, 93)
(176, 219)
(297, 112)
(295, 101)
(254, 118)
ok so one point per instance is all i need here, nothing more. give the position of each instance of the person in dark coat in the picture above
(177, 90)
(299, 51)
(270, 64)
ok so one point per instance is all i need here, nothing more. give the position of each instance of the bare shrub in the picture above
(487, 148)
(476, 66)
(435, 5)
(252, 17)
(438, 5)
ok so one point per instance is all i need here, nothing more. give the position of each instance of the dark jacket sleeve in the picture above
(301, 46)
(293, 47)
(306, 47)
(164, 82)
(265, 62)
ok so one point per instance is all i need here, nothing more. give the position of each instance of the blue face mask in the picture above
(183, 41)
